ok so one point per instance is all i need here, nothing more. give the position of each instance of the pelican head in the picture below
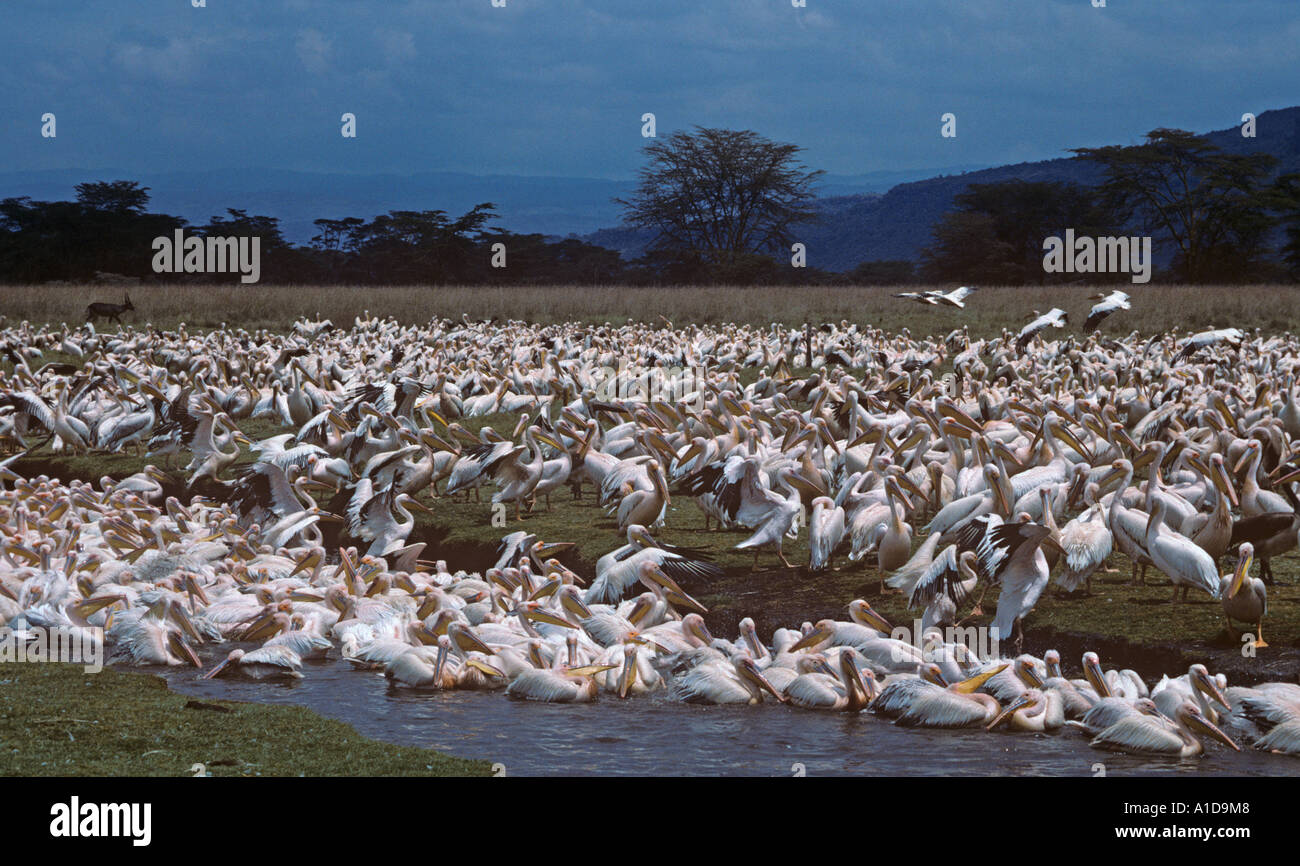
(748, 669)
(1201, 680)
(863, 614)
(1191, 716)
(1245, 556)
(1028, 672)
(1092, 673)
(1030, 698)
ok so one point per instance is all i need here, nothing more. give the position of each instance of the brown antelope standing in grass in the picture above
(109, 311)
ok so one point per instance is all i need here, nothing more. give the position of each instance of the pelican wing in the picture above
(278, 655)
(361, 496)
(940, 579)
(1139, 733)
(940, 708)
(541, 685)
(31, 405)
(678, 567)
(1261, 526)
(814, 691)
(1285, 738)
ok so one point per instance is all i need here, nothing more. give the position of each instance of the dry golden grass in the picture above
(1272, 308)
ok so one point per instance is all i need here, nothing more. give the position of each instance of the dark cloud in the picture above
(558, 86)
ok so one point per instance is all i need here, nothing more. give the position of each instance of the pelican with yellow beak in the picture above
(1143, 733)
(268, 662)
(825, 689)
(1035, 711)
(1244, 597)
(925, 699)
(738, 681)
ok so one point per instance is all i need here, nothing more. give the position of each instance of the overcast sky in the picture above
(558, 87)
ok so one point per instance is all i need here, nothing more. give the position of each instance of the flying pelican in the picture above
(1055, 317)
(1196, 342)
(1116, 300)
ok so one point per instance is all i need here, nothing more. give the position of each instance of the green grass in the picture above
(56, 720)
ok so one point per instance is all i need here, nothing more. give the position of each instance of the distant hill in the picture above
(865, 217)
(898, 224)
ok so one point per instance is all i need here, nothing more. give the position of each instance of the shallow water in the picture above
(655, 735)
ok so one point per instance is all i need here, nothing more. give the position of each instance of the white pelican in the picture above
(475, 465)
(268, 662)
(825, 532)
(521, 476)
(1244, 598)
(562, 685)
(622, 567)
(778, 522)
(1108, 304)
(944, 586)
(645, 507)
(1183, 562)
(949, 708)
(1284, 739)
(739, 681)
(1087, 541)
(1197, 686)
(1143, 733)
(376, 518)
(415, 669)
(1055, 317)
(632, 672)
(1196, 342)
(825, 689)
(1012, 556)
(1035, 710)
(956, 298)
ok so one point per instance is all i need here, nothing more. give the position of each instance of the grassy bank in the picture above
(1155, 308)
(56, 720)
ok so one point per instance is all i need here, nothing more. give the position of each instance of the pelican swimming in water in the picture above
(739, 681)
(926, 701)
(846, 691)
(1035, 711)
(1142, 733)
(274, 662)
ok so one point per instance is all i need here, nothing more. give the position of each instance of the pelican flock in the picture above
(1043, 451)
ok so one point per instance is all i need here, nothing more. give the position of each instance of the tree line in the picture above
(719, 206)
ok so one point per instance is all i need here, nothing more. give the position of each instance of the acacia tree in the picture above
(720, 194)
(117, 196)
(1207, 201)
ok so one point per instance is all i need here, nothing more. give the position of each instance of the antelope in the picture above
(109, 311)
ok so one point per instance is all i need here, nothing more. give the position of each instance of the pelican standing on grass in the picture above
(1244, 598)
